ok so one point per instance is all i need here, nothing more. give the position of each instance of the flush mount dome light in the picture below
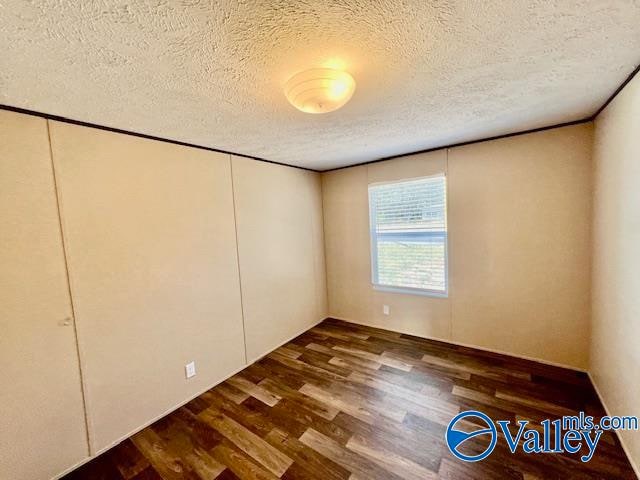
(319, 90)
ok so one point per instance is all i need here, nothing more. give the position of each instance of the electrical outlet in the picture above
(190, 369)
(385, 309)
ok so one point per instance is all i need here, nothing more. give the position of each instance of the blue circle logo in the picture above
(455, 438)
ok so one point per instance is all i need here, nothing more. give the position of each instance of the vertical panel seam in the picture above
(314, 246)
(449, 249)
(83, 387)
(324, 246)
(235, 228)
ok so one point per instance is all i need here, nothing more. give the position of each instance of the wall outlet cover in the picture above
(190, 369)
(385, 309)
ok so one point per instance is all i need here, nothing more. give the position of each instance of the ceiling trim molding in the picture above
(59, 118)
(211, 149)
(616, 92)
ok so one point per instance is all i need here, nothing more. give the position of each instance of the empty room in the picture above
(331, 240)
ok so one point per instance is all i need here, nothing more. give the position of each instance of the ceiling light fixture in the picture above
(320, 90)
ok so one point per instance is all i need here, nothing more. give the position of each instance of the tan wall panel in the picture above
(410, 166)
(519, 217)
(279, 223)
(346, 234)
(317, 232)
(615, 341)
(519, 220)
(42, 427)
(151, 247)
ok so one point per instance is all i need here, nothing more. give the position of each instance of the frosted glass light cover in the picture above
(320, 90)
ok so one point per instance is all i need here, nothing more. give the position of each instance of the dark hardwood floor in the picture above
(342, 401)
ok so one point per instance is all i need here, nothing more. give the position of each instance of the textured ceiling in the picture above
(428, 73)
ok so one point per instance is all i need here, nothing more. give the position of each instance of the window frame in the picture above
(373, 237)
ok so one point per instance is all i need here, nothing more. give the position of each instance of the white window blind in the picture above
(409, 235)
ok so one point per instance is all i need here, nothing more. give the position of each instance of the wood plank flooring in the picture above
(343, 401)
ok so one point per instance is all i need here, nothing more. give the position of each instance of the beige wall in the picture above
(280, 241)
(42, 428)
(519, 245)
(520, 219)
(615, 340)
(151, 248)
(151, 245)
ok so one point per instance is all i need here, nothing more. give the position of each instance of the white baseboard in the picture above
(468, 345)
(609, 413)
(181, 404)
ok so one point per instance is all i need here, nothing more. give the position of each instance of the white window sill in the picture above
(412, 291)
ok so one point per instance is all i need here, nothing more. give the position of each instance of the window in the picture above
(409, 235)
